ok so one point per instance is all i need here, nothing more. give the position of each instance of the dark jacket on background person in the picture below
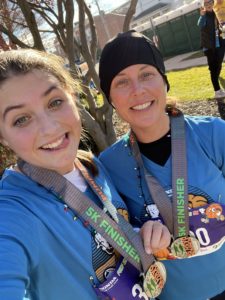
(208, 24)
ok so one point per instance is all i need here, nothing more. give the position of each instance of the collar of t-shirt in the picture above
(76, 179)
(158, 151)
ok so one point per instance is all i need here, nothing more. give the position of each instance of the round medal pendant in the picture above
(184, 247)
(154, 279)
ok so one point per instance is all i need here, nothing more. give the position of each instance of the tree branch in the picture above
(13, 38)
(131, 11)
(31, 22)
(93, 45)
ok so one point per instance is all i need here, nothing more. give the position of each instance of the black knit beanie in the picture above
(126, 49)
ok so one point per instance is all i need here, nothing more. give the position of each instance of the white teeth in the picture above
(142, 106)
(53, 145)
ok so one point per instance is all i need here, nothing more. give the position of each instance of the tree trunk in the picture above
(31, 23)
(131, 11)
(103, 134)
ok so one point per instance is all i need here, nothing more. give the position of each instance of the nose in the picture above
(137, 88)
(47, 124)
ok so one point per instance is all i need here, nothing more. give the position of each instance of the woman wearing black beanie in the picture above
(169, 167)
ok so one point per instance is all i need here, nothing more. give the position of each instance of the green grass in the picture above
(193, 84)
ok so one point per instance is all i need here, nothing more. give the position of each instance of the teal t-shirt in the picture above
(196, 278)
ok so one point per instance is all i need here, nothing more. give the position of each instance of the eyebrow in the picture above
(142, 68)
(48, 91)
(10, 108)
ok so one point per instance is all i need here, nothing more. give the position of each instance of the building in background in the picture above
(107, 25)
(145, 13)
(171, 24)
(112, 24)
(147, 10)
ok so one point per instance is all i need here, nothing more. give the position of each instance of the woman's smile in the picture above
(141, 107)
(60, 143)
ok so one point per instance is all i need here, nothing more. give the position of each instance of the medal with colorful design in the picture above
(184, 247)
(154, 279)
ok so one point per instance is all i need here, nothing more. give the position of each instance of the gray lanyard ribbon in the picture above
(175, 214)
(120, 235)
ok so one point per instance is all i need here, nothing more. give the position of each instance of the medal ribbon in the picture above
(179, 177)
(175, 214)
(97, 190)
(119, 234)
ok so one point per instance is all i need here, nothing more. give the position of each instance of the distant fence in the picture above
(178, 35)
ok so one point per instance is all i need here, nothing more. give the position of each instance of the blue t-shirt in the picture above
(44, 248)
(196, 278)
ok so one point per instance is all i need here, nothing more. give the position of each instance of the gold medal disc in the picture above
(154, 279)
(184, 247)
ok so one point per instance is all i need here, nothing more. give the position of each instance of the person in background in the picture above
(132, 76)
(46, 248)
(212, 44)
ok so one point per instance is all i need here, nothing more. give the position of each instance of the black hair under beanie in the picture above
(126, 49)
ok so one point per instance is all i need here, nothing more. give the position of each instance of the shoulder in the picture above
(16, 186)
(115, 149)
(20, 187)
(22, 195)
(12, 180)
(204, 122)
(208, 132)
(16, 191)
(104, 180)
(103, 176)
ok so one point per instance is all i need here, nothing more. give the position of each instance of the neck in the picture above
(153, 132)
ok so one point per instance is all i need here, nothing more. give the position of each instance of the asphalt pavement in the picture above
(182, 61)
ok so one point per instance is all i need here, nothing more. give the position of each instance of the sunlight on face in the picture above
(39, 121)
(138, 94)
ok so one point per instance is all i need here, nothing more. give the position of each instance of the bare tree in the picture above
(57, 18)
(131, 11)
(6, 18)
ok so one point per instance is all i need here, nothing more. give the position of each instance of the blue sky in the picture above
(107, 5)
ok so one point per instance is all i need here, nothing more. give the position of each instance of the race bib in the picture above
(124, 283)
(207, 224)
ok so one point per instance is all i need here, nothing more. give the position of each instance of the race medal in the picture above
(154, 279)
(184, 247)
